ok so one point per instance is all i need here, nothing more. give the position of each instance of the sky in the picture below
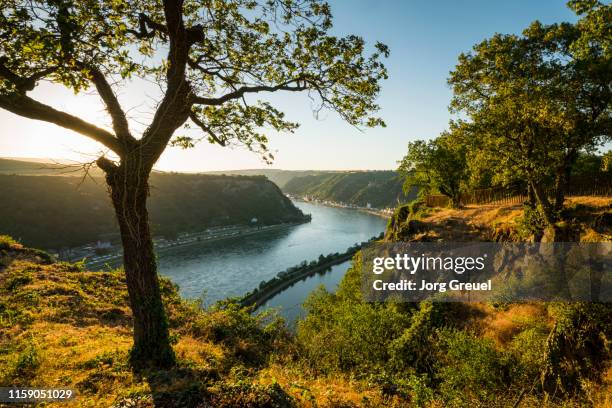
(425, 38)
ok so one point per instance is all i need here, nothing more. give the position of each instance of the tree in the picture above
(437, 166)
(538, 99)
(211, 57)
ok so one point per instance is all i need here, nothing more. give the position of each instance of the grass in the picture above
(61, 326)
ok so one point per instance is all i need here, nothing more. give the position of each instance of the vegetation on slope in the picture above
(55, 212)
(61, 326)
(380, 189)
(467, 354)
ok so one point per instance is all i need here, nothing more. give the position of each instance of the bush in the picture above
(7, 242)
(469, 369)
(343, 335)
(577, 349)
(530, 224)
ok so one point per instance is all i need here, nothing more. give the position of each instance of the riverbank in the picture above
(268, 289)
(385, 213)
(207, 236)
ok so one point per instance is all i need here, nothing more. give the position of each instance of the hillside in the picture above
(41, 167)
(277, 176)
(467, 354)
(55, 211)
(380, 189)
(61, 326)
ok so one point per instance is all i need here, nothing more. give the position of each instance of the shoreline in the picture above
(372, 211)
(235, 231)
(283, 280)
(256, 300)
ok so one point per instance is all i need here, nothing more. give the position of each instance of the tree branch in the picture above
(25, 106)
(119, 119)
(250, 89)
(145, 21)
(23, 84)
(194, 118)
(174, 108)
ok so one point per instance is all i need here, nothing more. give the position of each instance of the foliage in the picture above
(7, 242)
(576, 348)
(223, 50)
(536, 100)
(436, 353)
(437, 166)
(530, 224)
(405, 220)
(209, 58)
(470, 369)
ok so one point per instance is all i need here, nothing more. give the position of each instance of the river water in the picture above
(217, 270)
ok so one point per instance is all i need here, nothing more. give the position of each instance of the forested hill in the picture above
(277, 176)
(380, 189)
(54, 211)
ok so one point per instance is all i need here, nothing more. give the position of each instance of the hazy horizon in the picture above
(425, 40)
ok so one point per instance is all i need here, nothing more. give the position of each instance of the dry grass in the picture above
(485, 222)
(502, 324)
(65, 328)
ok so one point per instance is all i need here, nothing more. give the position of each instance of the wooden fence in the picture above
(579, 187)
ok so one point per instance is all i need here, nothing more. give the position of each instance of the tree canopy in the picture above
(436, 166)
(209, 56)
(530, 105)
(537, 99)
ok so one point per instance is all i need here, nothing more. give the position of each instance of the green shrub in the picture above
(414, 347)
(530, 223)
(345, 335)
(17, 279)
(7, 242)
(470, 370)
(248, 395)
(577, 348)
(27, 362)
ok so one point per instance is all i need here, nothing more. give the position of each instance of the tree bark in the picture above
(561, 184)
(548, 213)
(129, 190)
(531, 199)
(562, 179)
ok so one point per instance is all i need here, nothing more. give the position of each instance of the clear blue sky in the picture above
(425, 38)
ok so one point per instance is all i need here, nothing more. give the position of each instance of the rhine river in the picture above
(232, 267)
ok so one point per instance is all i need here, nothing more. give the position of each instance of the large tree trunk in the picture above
(547, 210)
(129, 191)
(561, 185)
(562, 179)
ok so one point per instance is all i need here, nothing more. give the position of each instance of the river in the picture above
(217, 270)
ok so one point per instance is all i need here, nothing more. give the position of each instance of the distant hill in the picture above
(42, 167)
(380, 189)
(277, 176)
(53, 211)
